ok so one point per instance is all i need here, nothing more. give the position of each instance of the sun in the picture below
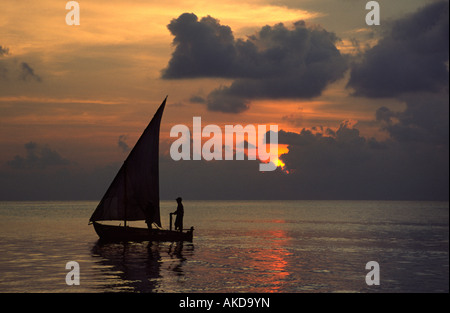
(279, 163)
(282, 149)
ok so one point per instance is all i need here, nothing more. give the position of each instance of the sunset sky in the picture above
(362, 111)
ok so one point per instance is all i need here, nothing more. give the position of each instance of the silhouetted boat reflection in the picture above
(139, 266)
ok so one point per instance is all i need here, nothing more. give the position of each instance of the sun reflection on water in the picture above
(270, 262)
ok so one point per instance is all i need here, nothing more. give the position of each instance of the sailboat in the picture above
(134, 195)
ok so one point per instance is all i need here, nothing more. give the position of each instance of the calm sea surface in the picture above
(239, 246)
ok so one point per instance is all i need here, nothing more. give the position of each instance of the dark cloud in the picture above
(425, 119)
(3, 70)
(223, 100)
(177, 104)
(410, 63)
(37, 157)
(412, 57)
(197, 99)
(3, 51)
(27, 73)
(276, 62)
(122, 143)
(203, 48)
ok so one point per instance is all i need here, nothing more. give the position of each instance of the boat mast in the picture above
(125, 195)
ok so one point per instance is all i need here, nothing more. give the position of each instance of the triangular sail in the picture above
(134, 193)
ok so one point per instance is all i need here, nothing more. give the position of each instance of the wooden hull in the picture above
(120, 233)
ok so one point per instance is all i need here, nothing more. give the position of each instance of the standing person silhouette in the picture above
(179, 213)
(149, 212)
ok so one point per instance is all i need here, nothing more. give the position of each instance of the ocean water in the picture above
(238, 247)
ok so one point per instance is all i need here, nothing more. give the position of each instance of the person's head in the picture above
(179, 199)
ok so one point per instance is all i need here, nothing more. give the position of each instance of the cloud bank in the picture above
(343, 164)
(37, 157)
